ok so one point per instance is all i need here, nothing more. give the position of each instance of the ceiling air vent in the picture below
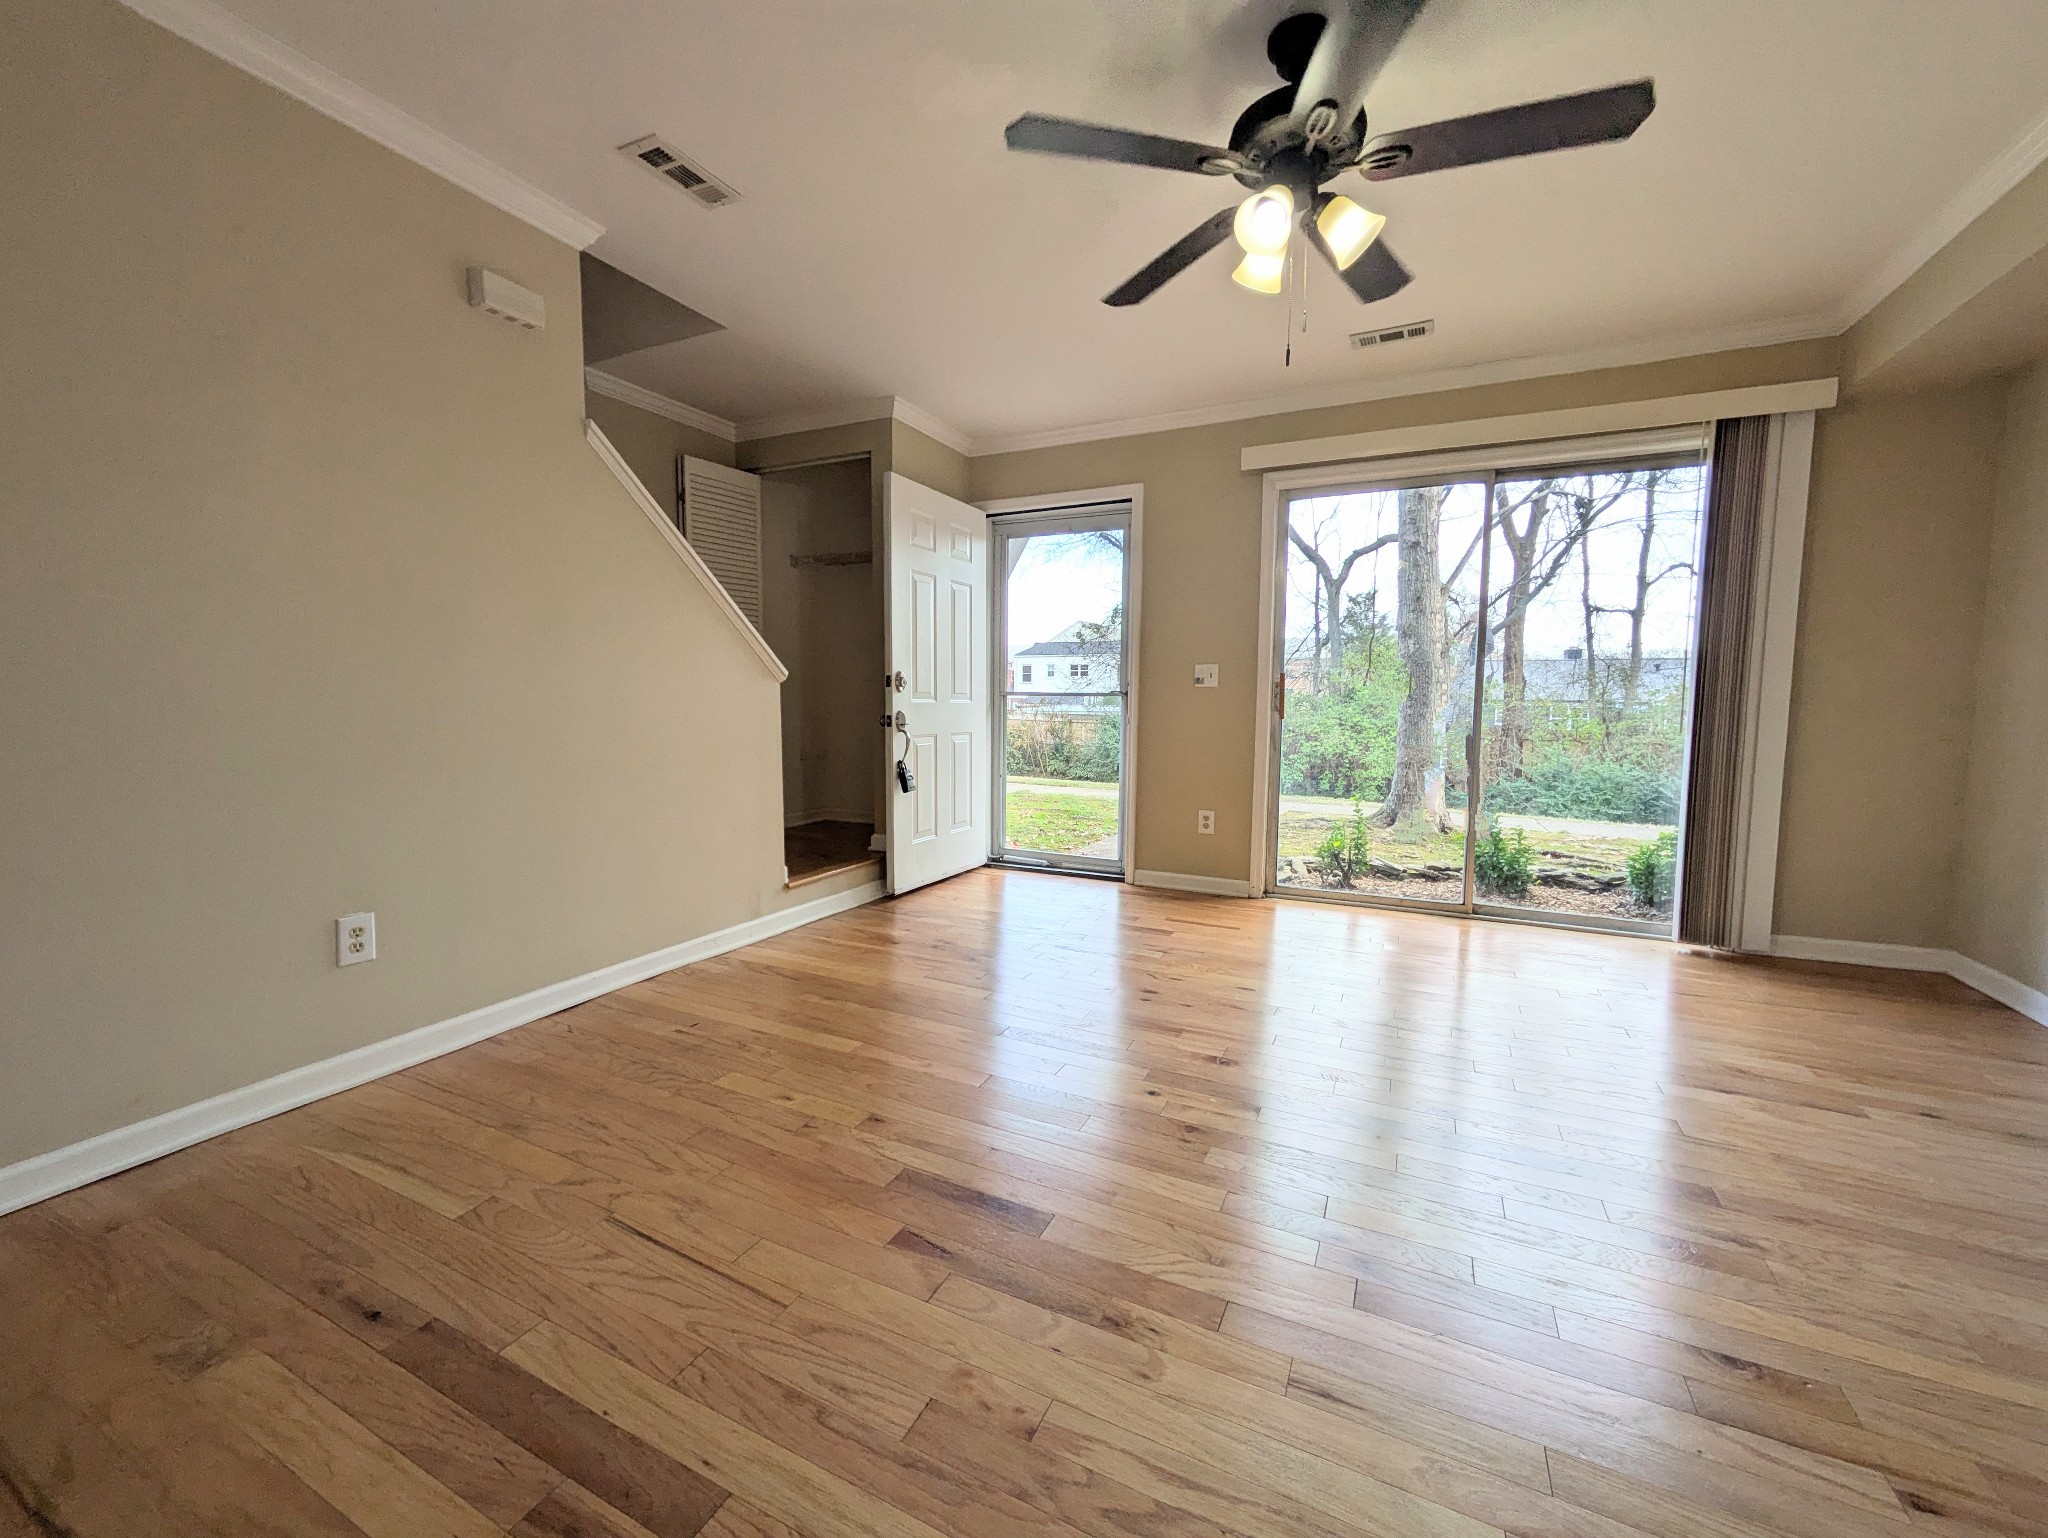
(1403, 333)
(671, 165)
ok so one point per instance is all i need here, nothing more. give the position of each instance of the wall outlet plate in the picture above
(1205, 822)
(1205, 675)
(355, 939)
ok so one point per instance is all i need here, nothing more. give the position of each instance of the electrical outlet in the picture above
(355, 939)
(1205, 822)
(1205, 675)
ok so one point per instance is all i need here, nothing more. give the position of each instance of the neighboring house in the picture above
(1562, 680)
(1079, 660)
(1554, 680)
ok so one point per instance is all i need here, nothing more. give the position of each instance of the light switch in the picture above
(1205, 675)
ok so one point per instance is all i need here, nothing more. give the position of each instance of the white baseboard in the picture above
(1862, 953)
(1175, 881)
(829, 814)
(2009, 991)
(65, 1169)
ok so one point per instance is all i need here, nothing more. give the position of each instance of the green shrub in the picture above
(1064, 745)
(1342, 743)
(1652, 868)
(1599, 790)
(1504, 863)
(1342, 855)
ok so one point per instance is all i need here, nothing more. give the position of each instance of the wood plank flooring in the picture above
(1028, 1207)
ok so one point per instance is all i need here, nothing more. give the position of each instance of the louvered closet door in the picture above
(722, 522)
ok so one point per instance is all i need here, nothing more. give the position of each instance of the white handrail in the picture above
(681, 546)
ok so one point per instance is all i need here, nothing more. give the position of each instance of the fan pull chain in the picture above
(1291, 265)
(1304, 289)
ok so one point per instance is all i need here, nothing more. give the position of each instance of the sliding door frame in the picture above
(1340, 480)
(1487, 466)
(1050, 508)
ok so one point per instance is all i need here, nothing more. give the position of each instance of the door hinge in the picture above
(1280, 697)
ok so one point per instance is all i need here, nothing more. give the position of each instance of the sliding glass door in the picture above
(1382, 597)
(1062, 590)
(1483, 688)
(1591, 623)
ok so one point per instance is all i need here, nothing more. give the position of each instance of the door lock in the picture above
(897, 679)
(906, 780)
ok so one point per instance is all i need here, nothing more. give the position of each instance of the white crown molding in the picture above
(2005, 172)
(872, 408)
(614, 388)
(227, 36)
(912, 415)
(65, 1169)
(1508, 371)
(665, 525)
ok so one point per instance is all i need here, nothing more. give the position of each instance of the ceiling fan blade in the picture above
(1042, 135)
(1174, 260)
(1351, 50)
(1376, 275)
(1562, 123)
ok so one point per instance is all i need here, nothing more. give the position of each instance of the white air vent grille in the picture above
(722, 522)
(1386, 334)
(672, 165)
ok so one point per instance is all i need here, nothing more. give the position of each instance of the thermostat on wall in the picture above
(496, 294)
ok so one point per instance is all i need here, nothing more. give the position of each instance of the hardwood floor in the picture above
(1033, 1206)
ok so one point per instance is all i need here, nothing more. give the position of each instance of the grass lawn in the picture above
(1058, 821)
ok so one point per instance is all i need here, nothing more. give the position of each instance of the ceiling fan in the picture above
(1288, 143)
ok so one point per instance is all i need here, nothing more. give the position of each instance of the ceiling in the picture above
(886, 244)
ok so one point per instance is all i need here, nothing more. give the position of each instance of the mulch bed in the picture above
(1616, 904)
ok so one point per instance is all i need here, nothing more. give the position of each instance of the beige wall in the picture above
(652, 444)
(1898, 525)
(314, 600)
(928, 461)
(2001, 910)
(1201, 570)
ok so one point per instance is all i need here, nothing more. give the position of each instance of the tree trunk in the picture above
(1420, 628)
(1333, 626)
(1633, 680)
(1511, 737)
(1586, 602)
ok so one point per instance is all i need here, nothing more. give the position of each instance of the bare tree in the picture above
(1527, 577)
(1419, 630)
(1332, 574)
(1638, 611)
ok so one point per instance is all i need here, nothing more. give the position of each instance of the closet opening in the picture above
(821, 611)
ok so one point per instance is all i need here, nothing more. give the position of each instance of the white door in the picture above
(939, 723)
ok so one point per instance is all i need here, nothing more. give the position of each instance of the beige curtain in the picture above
(1710, 897)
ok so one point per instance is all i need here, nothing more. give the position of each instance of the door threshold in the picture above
(810, 876)
(1585, 924)
(1047, 868)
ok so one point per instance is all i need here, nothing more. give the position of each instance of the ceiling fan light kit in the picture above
(1263, 272)
(1347, 228)
(1290, 142)
(1265, 221)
